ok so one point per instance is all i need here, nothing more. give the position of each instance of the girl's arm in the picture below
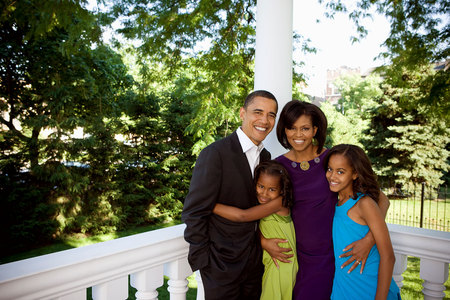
(360, 249)
(255, 213)
(374, 218)
(250, 214)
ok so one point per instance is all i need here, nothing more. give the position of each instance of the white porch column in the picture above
(273, 57)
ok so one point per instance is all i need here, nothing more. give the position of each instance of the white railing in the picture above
(147, 257)
(433, 249)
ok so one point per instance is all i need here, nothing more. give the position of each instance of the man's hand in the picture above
(275, 251)
(358, 252)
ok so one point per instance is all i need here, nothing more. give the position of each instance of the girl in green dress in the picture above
(274, 194)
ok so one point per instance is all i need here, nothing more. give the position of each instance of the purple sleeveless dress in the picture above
(312, 213)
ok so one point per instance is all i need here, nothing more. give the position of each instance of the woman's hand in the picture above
(275, 251)
(358, 252)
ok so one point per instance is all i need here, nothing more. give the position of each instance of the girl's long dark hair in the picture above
(366, 183)
(274, 168)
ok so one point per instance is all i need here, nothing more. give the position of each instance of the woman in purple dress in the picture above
(302, 129)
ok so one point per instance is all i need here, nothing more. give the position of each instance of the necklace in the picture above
(304, 165)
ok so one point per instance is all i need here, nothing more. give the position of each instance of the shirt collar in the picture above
(246, 142)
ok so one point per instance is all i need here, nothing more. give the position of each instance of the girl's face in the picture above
(340, 174)
(267, 188)
(301, 134)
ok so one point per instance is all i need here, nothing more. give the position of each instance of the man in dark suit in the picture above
(228, 254)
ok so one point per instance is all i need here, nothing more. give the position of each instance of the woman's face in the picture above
(301, 135)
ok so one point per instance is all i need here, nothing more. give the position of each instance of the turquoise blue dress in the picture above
(355, 285)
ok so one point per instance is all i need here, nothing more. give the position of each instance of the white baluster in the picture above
(200, 289)
(434, 273)
(178, 270)
(146, 282)
(112, 290)
(401, 262)
(79, 295)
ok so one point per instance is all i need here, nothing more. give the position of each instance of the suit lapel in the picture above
(241, 162)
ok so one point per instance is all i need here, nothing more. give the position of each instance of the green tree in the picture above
(404, 142)
(211, 40)
(45, 94)
(342, 129)
(349, 119)
(82, 27)
(419, 36)
(357, 93)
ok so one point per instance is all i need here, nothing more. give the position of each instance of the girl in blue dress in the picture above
(349, 173)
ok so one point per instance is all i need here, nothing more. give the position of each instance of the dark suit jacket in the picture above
(221, 175)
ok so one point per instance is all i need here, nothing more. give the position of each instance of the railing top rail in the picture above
(417, 231)
(89, 253)
(420, 242)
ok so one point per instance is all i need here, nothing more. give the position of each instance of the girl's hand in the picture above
(358, 252)
(275, 251)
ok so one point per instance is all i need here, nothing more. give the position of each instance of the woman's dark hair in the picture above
(366, 182)
(295, 109)
(274, 168)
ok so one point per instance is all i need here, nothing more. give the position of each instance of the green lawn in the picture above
(412, 284)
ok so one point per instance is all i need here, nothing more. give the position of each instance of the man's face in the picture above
(258, 118)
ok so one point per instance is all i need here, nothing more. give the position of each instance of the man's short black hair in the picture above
(259, 93)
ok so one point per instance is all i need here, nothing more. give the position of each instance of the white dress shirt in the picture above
(250, 149)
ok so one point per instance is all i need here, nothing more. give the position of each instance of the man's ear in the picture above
(242, 113)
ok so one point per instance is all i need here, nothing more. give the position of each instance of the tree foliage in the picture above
(54, 181)
(358, 94)
(82, 26)
(419, 36)
(405, 143)
(348, 120)
(214, 40)
(387, 116)
(420, 29)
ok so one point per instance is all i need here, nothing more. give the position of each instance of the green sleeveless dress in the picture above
(278, 283)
